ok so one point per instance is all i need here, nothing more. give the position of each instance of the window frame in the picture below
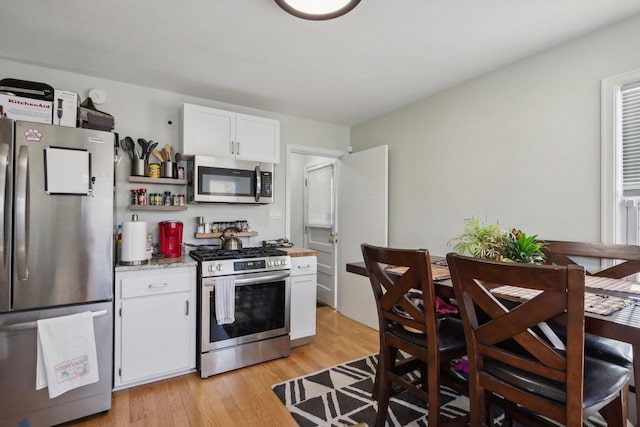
(612, 208)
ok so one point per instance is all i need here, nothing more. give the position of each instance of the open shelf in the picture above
(230, 234)
(156, 208)
(147, 180)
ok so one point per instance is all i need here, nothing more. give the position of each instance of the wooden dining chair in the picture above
(626, 258)
(623, 260)
(513, 355)
(406, 304)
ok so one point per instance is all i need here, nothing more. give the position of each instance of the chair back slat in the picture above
(391, 290)
(564, 253)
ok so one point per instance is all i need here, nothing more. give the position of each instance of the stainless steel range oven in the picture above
(258, 330)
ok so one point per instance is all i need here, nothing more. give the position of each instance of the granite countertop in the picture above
(154, 264)
(296, 252)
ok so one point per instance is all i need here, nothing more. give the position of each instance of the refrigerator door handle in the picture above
(33, 325)
(4, 163)
(22, 183)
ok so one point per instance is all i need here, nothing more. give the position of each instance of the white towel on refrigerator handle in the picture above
(66, 353)
(225, 296)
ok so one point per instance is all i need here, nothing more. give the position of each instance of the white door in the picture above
(319, 222)
(362, 218)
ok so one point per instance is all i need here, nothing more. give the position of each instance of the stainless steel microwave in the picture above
(216, 180)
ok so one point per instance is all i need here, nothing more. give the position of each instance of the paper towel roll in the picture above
(134, 243)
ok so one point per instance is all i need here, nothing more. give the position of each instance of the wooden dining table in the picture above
(622, 324)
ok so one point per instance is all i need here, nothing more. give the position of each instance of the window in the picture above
(621, 158)
(630, 138)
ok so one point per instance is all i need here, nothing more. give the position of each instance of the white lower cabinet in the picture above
(303, 299)
(155, 329)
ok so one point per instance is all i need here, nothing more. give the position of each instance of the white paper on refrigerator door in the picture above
(67, 171)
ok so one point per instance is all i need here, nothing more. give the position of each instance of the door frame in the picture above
(292, 149)
(320, 231)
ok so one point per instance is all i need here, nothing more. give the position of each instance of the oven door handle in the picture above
(262, 279)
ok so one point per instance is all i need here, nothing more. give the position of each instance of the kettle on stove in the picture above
(231, 242)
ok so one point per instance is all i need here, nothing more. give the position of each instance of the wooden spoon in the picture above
(158, 155)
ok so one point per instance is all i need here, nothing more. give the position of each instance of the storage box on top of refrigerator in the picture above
(56, 259)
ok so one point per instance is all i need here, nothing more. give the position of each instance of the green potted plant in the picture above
(491, 242)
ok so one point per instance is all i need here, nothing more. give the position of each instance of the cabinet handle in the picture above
(160, 285)
(187, 311)
(305, 266)
(237, 148)
(232, 148)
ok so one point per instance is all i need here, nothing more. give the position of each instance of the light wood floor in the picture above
(242, 397)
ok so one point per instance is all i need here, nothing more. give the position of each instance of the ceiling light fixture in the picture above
(316, 10)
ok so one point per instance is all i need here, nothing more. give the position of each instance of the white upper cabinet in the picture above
(220, 133)
(257, 138)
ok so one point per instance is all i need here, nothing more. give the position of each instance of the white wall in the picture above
(520, 145)
(142, 112)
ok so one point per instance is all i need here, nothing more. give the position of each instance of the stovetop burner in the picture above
(222, 254)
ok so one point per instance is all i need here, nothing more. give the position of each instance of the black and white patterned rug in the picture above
(341, 396)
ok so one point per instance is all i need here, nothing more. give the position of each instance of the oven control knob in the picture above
(282, 262)
(219, 267)
(269, 263)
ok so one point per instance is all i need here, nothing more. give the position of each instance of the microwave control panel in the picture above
(267, 184)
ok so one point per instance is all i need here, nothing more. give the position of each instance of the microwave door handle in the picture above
(4, 163)
(258, 183)
(22, 188)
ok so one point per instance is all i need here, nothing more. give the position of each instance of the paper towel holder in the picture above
(129, 262)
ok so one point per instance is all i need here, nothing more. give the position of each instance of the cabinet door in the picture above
(156, 335)
(208, 131)
(303, 306)
(257, 138)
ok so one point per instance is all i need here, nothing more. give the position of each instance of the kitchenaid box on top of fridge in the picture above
(19, 108)
(56, 259)
(26, 100)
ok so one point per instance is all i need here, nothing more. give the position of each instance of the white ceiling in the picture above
(381, 56)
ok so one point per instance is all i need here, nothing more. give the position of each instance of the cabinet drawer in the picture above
(155, 284)
(304, 265)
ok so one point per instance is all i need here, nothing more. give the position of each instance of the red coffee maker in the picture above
(171, 238)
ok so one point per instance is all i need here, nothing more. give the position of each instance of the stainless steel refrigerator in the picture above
(56, 250)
